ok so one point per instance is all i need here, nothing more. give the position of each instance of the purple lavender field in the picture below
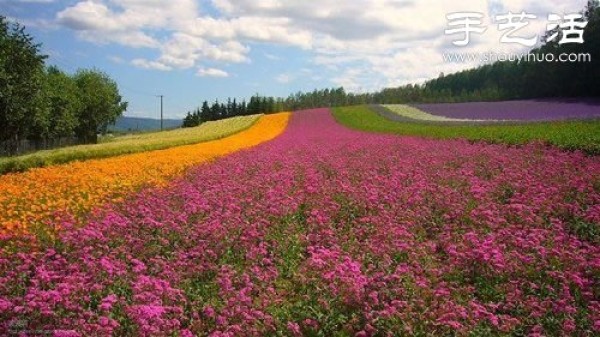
(526, 110)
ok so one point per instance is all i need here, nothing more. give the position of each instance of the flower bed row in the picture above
(326, 231)
(37, 201)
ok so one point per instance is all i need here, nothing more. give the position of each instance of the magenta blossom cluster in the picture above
(327, 231)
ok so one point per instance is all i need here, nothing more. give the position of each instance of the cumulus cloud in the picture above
(211, 72)
(146, 64)
(95, 21)
(368, 43)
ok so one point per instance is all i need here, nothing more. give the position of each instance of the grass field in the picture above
(129, 144)
(569, 135)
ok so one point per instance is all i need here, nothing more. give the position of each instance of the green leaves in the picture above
(39, 104)
(21, 73)
(101, 103)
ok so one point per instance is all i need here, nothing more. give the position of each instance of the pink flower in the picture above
(108, 302)
(294, 328)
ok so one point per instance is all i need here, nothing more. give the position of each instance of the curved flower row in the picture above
(326, 231)
(37, 200)
(410, 112)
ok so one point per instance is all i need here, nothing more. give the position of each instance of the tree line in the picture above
(41, 103)
(216, 111)
(265, 105)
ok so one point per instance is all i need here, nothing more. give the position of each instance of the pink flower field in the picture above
(325, 231)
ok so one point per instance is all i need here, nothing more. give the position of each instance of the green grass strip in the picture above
(129, 144)
(568, 135)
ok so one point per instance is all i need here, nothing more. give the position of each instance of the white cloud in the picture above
(184, 51)
(114, 15)
(94, 21)
(251, 28)
(212, 72)
(146, 64)
(369, 43)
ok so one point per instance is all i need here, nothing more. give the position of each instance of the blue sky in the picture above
(195, 50)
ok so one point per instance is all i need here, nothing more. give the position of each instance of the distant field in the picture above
(409, 113)
(129, 144)
(571, 135)
(526, 110)
(138, 124)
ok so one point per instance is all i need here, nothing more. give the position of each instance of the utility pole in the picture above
(161, 111)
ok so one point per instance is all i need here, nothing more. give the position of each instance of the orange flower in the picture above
(30, 199)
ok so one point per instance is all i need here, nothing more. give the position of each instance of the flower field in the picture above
(526, 110)
(327, 231)
(38, 200)
(583, 135)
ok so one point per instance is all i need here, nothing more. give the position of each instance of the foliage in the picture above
(46, 104)
(571, 135)
(64, 103)
(101, 104)
(217, 111)
(21, 84)
(265, 105)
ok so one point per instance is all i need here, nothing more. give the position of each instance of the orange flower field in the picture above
(31, 200)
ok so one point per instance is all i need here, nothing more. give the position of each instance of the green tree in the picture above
(215, 111)
(62, 97)
(21, 84)
(204, 114)
(188, 121)
(101, 104)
